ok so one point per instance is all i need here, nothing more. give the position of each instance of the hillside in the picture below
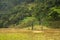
(27, 13)
(6, 5)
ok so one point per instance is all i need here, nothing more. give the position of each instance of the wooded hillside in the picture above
(26, 13)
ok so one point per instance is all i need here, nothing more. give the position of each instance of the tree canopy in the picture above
(18, 12)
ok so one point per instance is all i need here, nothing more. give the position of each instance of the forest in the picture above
(27, 13)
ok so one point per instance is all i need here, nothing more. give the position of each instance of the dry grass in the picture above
(19, 34)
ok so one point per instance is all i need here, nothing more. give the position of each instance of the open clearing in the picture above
(17, 34)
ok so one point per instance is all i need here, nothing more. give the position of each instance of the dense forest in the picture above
(26, 13)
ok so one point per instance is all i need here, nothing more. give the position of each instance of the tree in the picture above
(27, 22)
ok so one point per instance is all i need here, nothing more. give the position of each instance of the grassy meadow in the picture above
(10, 34)
(29, 19)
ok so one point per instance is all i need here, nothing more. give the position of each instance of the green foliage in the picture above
(28, 21)
(26, 12)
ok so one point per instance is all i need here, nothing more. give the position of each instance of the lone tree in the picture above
(28, 21)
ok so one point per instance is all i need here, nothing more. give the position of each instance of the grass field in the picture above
(16, 34)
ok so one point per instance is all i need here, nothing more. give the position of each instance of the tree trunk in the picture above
(32, 26)
(41, 24)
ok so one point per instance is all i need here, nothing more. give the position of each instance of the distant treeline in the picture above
(25, 13)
